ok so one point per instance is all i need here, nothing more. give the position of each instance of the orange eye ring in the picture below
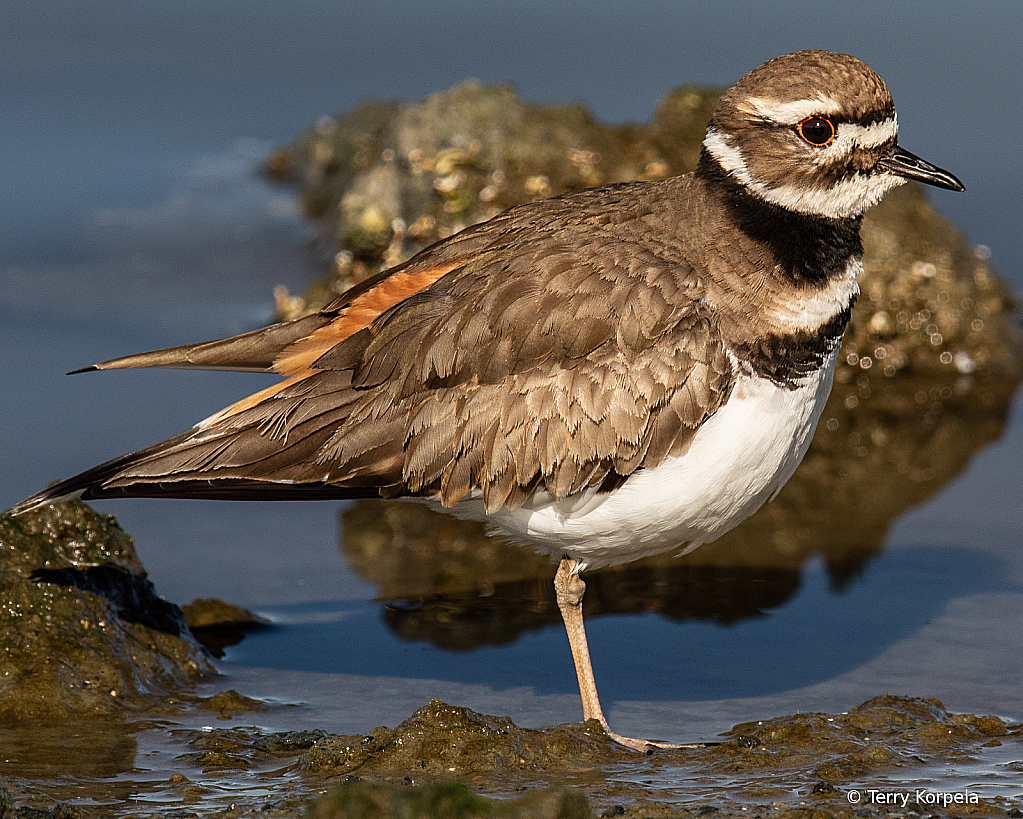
(817, 131)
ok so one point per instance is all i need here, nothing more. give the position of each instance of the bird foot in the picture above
(644, 745)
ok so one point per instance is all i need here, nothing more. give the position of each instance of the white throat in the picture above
(847, 199)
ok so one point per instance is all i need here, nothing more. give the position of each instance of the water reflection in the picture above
(883, 446)
(65, 760)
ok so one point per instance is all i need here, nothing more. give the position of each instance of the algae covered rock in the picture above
(218, 625)
(84, 632)
(440, 741)
(446, 760)
(385, 180)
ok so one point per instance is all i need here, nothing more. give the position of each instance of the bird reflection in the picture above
(447, 582)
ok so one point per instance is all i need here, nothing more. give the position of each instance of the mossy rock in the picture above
(84, 632)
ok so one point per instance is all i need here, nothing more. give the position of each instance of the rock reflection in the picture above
(884, 444)
(66, 756)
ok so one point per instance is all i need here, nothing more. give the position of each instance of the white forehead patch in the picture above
(792, 112)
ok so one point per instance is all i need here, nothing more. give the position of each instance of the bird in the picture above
(604, 375)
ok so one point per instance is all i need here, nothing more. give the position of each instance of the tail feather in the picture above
(270, 451)
(85, 484)
(293, 346)
(255, 351)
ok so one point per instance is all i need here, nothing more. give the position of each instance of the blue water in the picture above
(791, 647)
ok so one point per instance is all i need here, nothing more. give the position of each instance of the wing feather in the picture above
(558, 353)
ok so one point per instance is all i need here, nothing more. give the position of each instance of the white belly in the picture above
(738, 460)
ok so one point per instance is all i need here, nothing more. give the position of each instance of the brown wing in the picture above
(562, 345)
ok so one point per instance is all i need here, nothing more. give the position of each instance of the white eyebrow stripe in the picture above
(793, 112)
(869, 136)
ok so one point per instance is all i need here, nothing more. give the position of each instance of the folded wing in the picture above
(507, 359)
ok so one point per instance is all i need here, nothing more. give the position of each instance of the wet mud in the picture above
(892, 756)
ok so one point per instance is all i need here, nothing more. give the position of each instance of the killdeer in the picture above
(605, 375)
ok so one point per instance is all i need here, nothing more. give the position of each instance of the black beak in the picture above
(903, 163)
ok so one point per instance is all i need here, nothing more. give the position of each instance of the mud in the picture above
(891, 756)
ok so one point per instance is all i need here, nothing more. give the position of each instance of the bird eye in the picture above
(816, 130)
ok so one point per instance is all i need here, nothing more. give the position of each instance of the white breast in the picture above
(738, 460)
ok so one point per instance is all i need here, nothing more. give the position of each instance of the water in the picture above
(132, 219)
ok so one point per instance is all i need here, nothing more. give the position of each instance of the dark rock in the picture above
(218, 625)
(288, 742)
(84, 632)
